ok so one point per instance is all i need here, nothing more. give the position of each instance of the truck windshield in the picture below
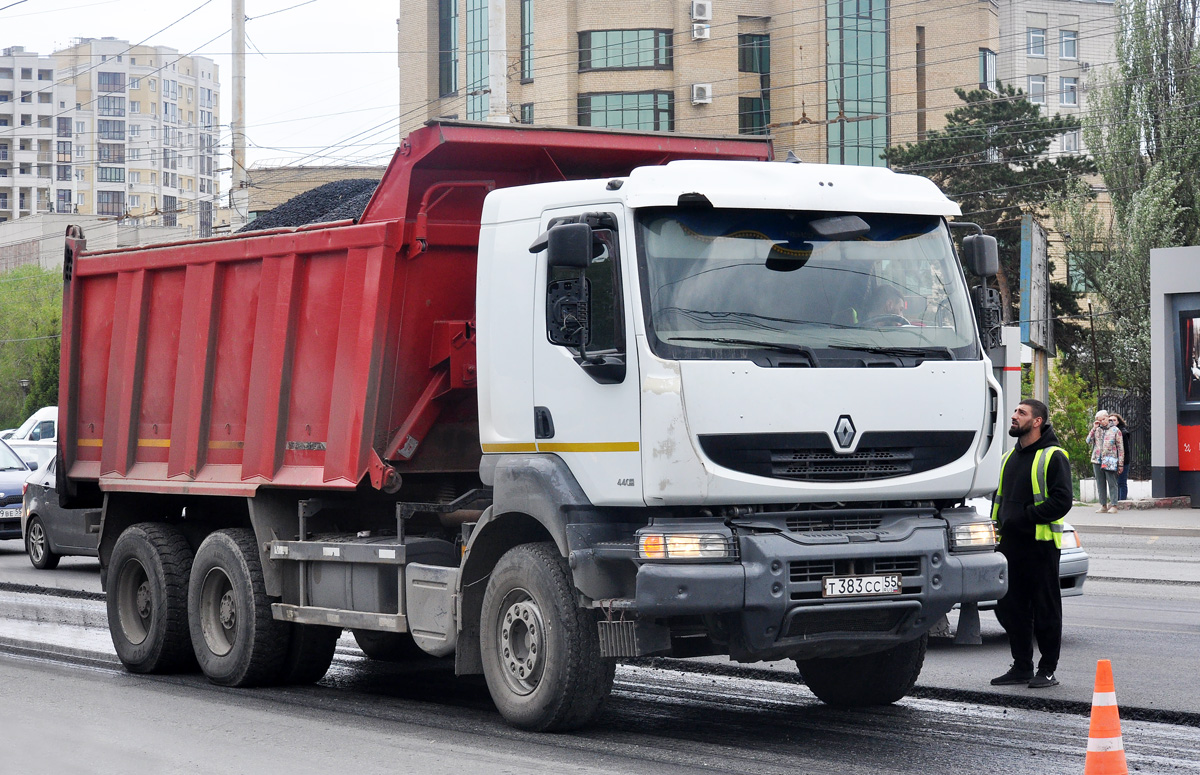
(719, 281)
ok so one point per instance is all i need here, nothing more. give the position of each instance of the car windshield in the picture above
(9, 460)
(718, 281)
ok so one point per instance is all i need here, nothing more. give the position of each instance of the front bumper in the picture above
(772, 596)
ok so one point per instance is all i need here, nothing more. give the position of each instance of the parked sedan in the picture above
(13, 471)
(1072, 560)
(51, 531)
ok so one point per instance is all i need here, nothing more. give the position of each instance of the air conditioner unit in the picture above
(701, 10)
(701, 93)
(701, 32)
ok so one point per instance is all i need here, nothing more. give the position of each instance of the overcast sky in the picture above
(321, 76)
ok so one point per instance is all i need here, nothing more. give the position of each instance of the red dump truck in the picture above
(558, 397)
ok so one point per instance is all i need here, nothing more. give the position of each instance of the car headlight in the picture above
(685, 546)
(1070, 540)
(973, 537)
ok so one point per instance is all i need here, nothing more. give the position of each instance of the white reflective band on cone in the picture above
(1104, 698)
(1104, 744)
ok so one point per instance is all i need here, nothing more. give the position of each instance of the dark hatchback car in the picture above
(50, 530)
(13, 471)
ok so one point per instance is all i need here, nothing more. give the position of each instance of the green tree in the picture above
(30, 325)
(1072, 404)
(992, 159)
(1144, 132)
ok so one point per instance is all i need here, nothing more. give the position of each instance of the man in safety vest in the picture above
(1028, 509)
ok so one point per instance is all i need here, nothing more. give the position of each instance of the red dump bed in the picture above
(314, 357)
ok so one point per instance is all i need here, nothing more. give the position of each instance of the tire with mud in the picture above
(147, 595)
(309, 654)
(236, 640)
(871, 679)
(541, 652)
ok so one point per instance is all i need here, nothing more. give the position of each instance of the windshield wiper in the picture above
(787, 348)
(941, 353)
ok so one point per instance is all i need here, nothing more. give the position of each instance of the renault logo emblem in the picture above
(844, 431)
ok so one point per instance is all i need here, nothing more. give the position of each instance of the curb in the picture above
(1144, 504)
(1139, 530)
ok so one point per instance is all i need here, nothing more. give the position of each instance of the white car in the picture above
(36, 441)
(1072, 560)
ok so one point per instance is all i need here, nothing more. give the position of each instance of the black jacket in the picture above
(1018, 514)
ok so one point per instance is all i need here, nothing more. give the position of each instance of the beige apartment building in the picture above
(836, 80)
(145, 133)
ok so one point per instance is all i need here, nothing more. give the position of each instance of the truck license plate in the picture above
(857, 586)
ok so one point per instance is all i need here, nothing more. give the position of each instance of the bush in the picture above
(1072, 405)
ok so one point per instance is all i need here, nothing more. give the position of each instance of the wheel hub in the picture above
(522, 645)
(143, 600)
(228, 611)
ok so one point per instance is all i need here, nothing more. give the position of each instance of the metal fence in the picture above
(1135, 409)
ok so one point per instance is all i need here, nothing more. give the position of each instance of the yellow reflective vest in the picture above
(1041, 464)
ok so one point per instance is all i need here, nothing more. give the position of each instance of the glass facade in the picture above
(477, 60)
(856, 81)
(754, 113)
(526, 40)
(628, 110)
(447, 47)
(625, 50)
(754, 56)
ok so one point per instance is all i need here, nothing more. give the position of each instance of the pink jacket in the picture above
(1106, 441)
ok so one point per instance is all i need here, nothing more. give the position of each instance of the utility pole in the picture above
(239, 194)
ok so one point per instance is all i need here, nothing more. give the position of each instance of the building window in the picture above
(110, 106)
(1035, 40)
(80, 127)
(110, 153)
(134, 154)
(153, 85)
(987, 69)
(110, 202)
(64, 127)
(111, 175)
(526, 40)
(134, 83)
(625, 50)
(1070, 142)
(1068, 44)
(64, 151)
(477, 60)
(1037, 89)
(45, 75)
(1068, 91)
(754, 113)
(526, 112)
(628, 110)
(135, 106)
(79, 151)
(80, 175)
(135, 130)
(45, 98)
(26, 73)
(135, 176)
(110, 82)
(856, 81)
(1076, 279)
(63, 172)
(27, 96)
(447, 47)
(80, 199)
(754, 53)
(110, 130)
(135, 200)
(64, 200)
(170, 206)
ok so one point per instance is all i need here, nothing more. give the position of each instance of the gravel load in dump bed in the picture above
(334, 201)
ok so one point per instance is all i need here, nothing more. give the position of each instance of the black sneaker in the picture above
(1013, 677)
(1044, 679)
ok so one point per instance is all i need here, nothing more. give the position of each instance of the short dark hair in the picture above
(1037, 409)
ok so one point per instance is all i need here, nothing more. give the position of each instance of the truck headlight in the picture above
(685, 546)
(973, 536)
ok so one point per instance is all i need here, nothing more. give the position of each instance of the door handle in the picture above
(543, 423)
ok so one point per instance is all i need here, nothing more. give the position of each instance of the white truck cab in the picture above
(36, 439)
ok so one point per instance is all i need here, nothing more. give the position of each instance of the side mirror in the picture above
(569, 246)
(568, 313)
(32, 464)
(981, 255)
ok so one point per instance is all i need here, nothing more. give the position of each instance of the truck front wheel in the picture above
(871, 679)
(541, 653)
(237, 642)
(147, 599)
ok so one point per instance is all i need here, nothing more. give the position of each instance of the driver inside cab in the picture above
(886, 307)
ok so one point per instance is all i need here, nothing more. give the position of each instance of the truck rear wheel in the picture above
(147, 599)
(871, 679)
(237, 642)
(309, 654)
(541, 652)
(389, 646)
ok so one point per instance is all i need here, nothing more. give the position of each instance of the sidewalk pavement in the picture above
(1161, 516)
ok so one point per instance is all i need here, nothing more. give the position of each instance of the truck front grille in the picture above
(810, 457)
(832, 521)
(814, 570)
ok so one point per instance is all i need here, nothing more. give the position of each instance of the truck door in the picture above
(587, 404)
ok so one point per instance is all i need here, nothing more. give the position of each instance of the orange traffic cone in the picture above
(1105, 751)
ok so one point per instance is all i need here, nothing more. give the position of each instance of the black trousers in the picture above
(1033, 606)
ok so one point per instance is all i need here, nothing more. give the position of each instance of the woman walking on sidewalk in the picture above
(1108, 458)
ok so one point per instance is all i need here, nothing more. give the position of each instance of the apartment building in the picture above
(836, 81)
(1051, 48)
(145, 133)
(35, 136)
